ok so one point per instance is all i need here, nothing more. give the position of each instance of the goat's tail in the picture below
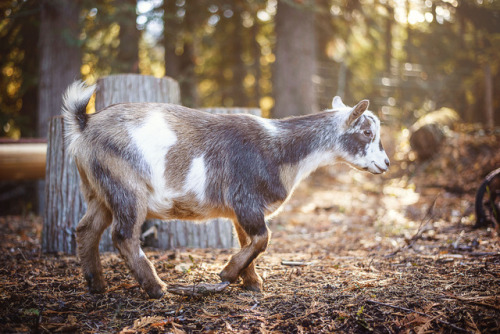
(75, 101)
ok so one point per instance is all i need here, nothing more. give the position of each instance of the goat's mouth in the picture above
(375, 169)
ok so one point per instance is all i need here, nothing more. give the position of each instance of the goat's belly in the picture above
(185, 208)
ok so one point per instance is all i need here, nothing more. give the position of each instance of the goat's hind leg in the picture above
(88, 234)
(126, 239)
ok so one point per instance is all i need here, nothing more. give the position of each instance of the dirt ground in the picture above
(351, 252)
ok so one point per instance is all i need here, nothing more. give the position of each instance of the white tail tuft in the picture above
(75, 101)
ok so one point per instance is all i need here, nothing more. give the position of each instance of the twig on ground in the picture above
(420, 313)
(296, 263)
(427, 218)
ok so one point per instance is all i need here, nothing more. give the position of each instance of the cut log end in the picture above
(197, 290)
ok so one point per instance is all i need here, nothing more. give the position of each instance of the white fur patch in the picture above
(312, 162)
(154, 138)
(268, 124)
(196, 178)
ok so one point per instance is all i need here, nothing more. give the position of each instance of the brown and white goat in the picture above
(151, 160)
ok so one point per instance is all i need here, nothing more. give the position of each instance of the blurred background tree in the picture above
(287, 57)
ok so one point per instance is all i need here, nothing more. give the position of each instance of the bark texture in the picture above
(59, 65)
(64, 203)
(60, 57)
(295, 65)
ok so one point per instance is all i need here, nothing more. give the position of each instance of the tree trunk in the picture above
(488, 97)
(180, 66)
(60, 57)
(171, 29)
(60, 61)
(295, 60)
(236, 50)
(64, 203)
(127, 58)
(388, 39)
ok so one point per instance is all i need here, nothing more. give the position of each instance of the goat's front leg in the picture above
(254, 243)
(126, 240)
(251, 280)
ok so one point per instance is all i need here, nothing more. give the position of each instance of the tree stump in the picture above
(427, 134)
(65, 205)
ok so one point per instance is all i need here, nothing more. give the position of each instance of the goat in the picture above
(152, 160)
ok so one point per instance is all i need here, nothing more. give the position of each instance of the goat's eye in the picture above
(368, 133)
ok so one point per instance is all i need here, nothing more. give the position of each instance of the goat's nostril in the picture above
(387, 162)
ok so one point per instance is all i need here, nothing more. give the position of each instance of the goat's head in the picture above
(359, 141)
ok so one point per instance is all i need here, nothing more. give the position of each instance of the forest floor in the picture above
(351, 252)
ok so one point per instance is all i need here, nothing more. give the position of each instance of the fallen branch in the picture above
(197, 290)
(420, 313)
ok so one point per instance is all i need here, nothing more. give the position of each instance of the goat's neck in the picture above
(305, 143)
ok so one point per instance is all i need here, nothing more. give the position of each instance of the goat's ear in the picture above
(357, 111)
(337, 103)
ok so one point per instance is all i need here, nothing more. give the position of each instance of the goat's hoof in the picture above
(157, 291)
(252, 287)
(95, 283)
(255, 285)
(97, 289)
(226, 276)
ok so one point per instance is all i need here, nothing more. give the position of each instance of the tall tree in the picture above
(295, 59)
(236, 50)
(60, 58)
(127, 57)
(60, 61)
(178, 35)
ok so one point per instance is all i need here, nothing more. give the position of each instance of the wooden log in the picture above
(22, 160)
(427, 134)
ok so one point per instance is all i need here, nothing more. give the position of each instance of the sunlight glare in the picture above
(429, 17)
(415, 17)
(263, 16)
